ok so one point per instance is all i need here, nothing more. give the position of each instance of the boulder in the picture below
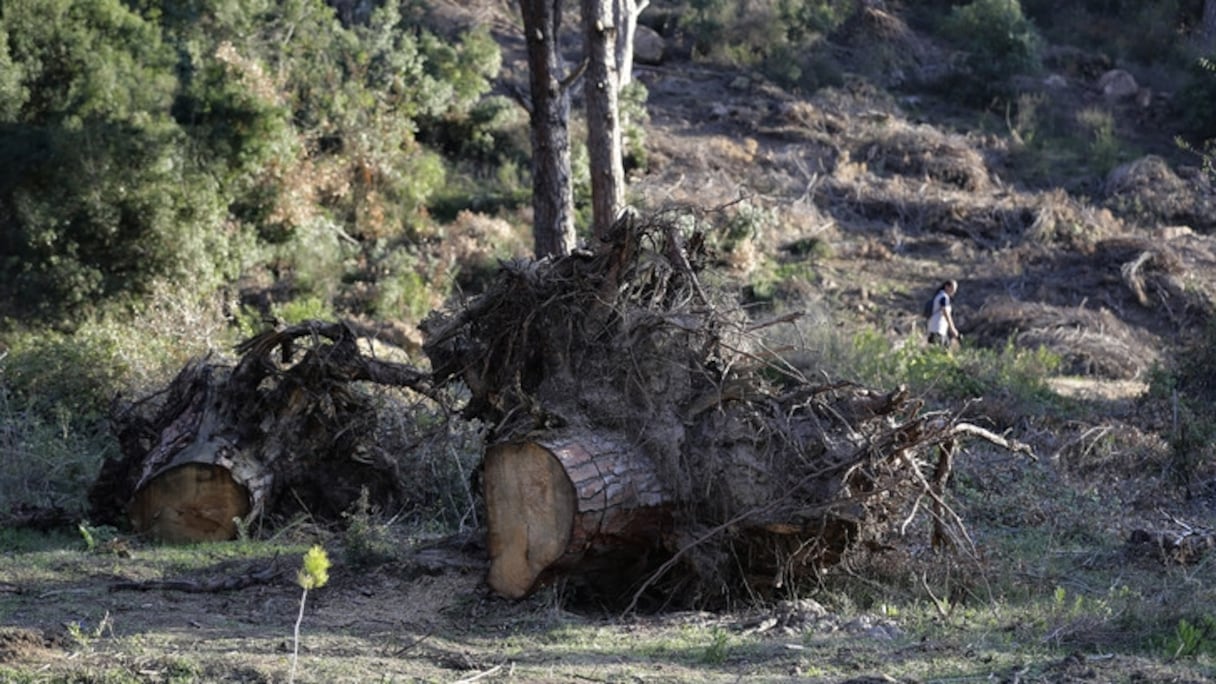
(1118, 84)
(648, 46)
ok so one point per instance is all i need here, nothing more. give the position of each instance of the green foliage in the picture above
(634, 118)
(1103, 147)
(314, 571)
(25, 540)
(493, 131)
(402, 290)
(801, 68)
(54, 394)
(366, 541)
(719, 647)
(96, 537)
(13, 92)
(1052, 141)
(1196, 100)
(743, 224)
(98, 196)
(1008, 374)
(807, 18)
(56, 390)
(1192, 639)
(1102, 25)
(313, 574)
(1186, 391)
(769, 280)
(784, 40)
(83, 635)
(149, 141)
(303, 309)
(998, 41)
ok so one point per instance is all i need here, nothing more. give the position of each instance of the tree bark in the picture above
(557, 502)
(196, 482)
(552, 189)
(601, 88)
(626, 13)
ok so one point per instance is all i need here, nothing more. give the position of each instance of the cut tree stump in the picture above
(554, 502)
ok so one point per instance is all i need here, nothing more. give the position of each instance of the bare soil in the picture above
(66, 618)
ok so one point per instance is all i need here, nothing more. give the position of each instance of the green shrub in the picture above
(1192, 639)
(634, 118)
(998, 41)
(13, 94)
(808, 18)
(56, 388)
(1011, 375)
(1196, 100)
(1187, 390)
(53, 399)
(366, 539)
(402, 291)
(100, 193)
(302, 309)
(1103, 150)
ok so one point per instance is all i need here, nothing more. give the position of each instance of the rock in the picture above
(1118, 84)
(648, 46)
(1055, 82)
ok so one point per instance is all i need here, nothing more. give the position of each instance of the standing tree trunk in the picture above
(552, 191)
(626, 13)
(601, 88)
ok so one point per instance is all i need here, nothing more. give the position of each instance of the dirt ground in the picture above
(64, 616)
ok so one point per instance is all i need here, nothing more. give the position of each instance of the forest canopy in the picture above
(149, 143)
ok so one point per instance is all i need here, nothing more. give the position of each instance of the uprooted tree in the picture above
(641, 439)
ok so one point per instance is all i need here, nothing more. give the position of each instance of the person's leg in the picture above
(936, 339)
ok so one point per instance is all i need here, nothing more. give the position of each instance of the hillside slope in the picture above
(883, 194)
(851, 203)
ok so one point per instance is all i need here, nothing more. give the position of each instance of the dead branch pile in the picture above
(1089, 342)
(1149, 191)
(925, 154)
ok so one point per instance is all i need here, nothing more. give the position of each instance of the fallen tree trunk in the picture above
(554, 502)
(196, 483)
(226, 446)
(643, 436)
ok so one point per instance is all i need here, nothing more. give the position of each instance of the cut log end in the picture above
(569, 500)
(530, 507)
(190, 503)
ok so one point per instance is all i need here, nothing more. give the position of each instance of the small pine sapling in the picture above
(314, 573)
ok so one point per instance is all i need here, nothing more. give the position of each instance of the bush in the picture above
(98, 191)
(1186, 392)
(1196, 100)
(998, 42)
(1012, 377)
(56, 389)
(634, 118)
